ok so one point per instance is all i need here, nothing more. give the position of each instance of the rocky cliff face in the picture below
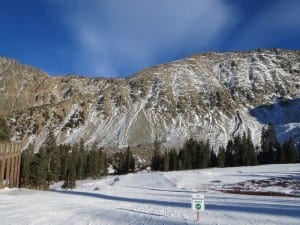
(207, 96)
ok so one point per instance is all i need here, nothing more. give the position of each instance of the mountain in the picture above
(206, 96)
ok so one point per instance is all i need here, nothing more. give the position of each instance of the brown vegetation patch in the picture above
(269, 193)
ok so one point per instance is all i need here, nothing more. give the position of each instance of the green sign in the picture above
(198, 206)
(198, 202)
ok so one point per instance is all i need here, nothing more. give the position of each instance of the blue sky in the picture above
(117, 38)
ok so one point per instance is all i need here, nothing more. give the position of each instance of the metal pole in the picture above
(198, 216)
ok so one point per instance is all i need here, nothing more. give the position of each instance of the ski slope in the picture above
(160, 198)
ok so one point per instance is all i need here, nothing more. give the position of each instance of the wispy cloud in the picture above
(117, 37)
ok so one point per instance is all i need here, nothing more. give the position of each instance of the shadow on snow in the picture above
(270, 209)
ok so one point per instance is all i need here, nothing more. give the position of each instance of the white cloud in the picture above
(113, 36)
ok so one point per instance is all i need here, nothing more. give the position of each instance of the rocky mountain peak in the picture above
(210, 96)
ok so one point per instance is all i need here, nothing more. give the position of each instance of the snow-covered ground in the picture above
(163, 198)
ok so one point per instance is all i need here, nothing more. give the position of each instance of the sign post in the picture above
(198, 204)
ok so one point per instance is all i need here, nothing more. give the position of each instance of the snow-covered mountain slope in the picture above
(160, 198)
(206, 96)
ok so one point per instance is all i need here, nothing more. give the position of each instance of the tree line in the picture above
(65, 163)
(238, 152)
(68, 163)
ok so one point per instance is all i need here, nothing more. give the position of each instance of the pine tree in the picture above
(166, 163)
(126, 160)
(64, 151)
(70, 171)
(131, 163)
(173, 160)
(53, 158)
(93, 161)
(270, 146)
(213, 159)
(26, 160)
(289, 151)
(250, 151)
(38, 170)
(221, 157)
(229, 160)
(4, 131)
(156, 158)
(187, 164)
(81, 160)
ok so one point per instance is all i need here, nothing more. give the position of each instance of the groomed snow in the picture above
(156, 198)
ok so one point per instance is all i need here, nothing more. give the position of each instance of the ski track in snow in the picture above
(152, 199)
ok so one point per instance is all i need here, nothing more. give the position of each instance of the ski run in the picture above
(267, 194)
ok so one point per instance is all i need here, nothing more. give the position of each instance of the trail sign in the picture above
(198, 203)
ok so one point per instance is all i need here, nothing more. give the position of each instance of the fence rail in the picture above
(6, 148)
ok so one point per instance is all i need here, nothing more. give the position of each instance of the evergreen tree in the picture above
(4, 131)
(53, 158)
(187, 163)
(173, 160)
(93, 161)
(241, 149)
(128, 163)
(38, 170)
(270, 146)
(131, 163)
(229, 160)
(192, 155)
(250, 151)
(213, 159)
(289, 151)
(165, 162)
(221, 157)
(156, 158)
(180, 164)
(27, 157)
(81, 160)
(64, 151)
(70, 171)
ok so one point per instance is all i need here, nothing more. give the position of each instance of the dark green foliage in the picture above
(4, 131)
(69, 176)
(156, 158)
(63, 162)
(80, 160)
(213, 159)
(38, 170)
(26, 160)
(221, 157)
(96, 163)
(193, 155)
(251, 154)
(173, 160)
(229, 154)
(240, 151)
(53, 158)
(124, 162)
(166, 162)
(289, 152)
(270, 146)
